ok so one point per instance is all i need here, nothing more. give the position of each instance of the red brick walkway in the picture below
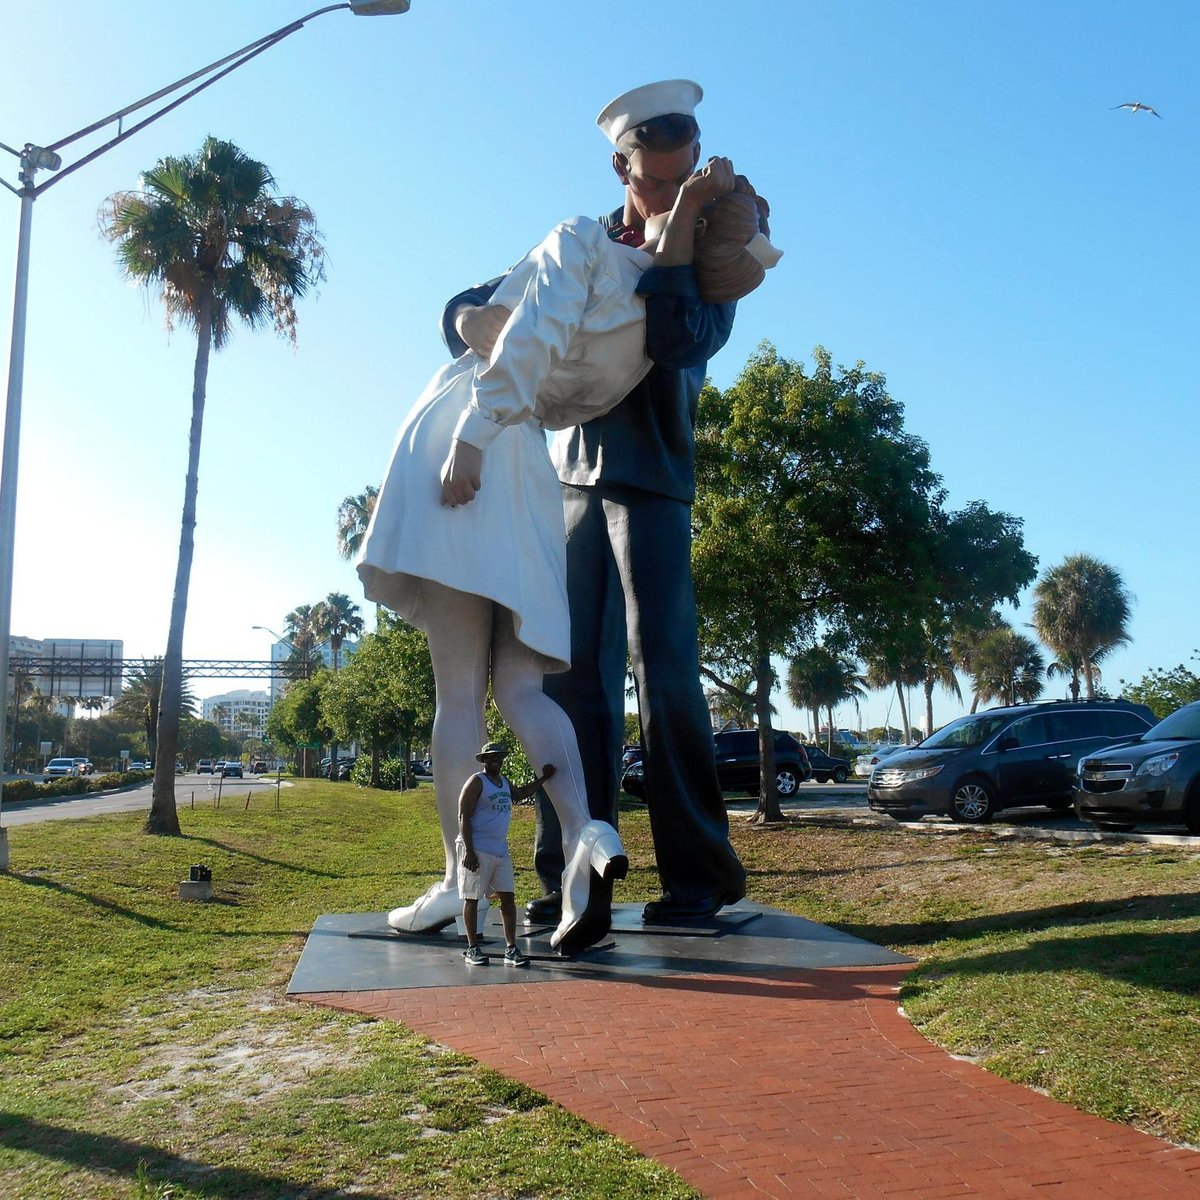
(793, 1084)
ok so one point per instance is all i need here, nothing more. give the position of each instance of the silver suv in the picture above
(1153, 780)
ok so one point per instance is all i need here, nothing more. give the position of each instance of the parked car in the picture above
(629, 756)
(739, 769)
(258, 767)
(58, 768)
(178, 768)
(738, 765)
(865, 763)
(83, 766)
(986, 761)
(232, 770)
(139, 765)
(826, 766)
(633, 781)
(1152, 780)
(343, 768)
(204, 766)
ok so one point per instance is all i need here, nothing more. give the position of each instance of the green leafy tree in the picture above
(297, 718)
(1163, 691)
(812, 504)
(209, 234)
(353, 517)
(1081, 610)
(1009, 668)
(384, 695)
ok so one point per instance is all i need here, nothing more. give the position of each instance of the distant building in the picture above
(238, 714)
(74, 667)
(281, 652)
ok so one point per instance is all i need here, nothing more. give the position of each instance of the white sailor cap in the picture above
(650, 100)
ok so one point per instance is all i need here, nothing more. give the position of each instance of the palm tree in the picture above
(207, 232)
(353, 517)
(939, 672)
(964, 646)
(1081, 610)
(1008, 667)
(304, 636)
(892, 669)
(820, 679)
(141, 700)
(336, 618)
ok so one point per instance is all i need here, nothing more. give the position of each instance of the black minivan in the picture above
(1001, 758)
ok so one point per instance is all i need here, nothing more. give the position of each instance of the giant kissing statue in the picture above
(467, 540)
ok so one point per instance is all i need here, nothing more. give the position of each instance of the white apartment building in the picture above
(239, 714)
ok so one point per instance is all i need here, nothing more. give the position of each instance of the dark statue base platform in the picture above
(357, 952)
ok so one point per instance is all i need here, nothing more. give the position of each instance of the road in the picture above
(203, 787)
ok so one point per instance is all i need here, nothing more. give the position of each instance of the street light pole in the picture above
(34, 158)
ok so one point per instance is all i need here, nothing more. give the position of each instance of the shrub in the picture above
(21, 789)
(392, 773)
(68, 785)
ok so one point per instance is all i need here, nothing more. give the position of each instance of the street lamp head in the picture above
(378, 8)
(41, 159)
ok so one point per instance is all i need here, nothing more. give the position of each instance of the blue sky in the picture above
(960, 205)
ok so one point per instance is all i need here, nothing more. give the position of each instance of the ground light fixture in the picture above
(47, 158)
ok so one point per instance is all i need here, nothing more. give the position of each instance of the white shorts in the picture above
(495, 874)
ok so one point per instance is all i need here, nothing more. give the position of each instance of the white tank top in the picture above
(493, 812)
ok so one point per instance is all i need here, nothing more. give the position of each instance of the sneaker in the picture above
(475, 957)
(514, 958)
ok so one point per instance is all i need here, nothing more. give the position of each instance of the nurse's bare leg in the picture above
(592, 850)
(459, 628)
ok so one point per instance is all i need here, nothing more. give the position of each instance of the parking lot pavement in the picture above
(847, 802)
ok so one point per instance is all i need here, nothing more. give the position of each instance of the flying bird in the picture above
(1138, 106)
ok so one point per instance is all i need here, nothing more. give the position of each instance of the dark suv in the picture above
(826, 767)
(739, 770)
(738, 766)
(1000, 758)
(1153, 780)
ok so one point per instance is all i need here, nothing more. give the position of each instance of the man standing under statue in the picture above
(628, 484)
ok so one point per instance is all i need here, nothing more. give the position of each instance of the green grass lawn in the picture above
(148, 1049)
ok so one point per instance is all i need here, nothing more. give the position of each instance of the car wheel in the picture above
(821, 778)
(973, 802)
(1116, 826)
(1191, 810)
(787, 781)
(1060, 804)
(840, 775)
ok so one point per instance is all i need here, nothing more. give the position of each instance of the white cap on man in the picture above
(632, 108)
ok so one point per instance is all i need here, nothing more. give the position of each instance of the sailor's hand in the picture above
(480, 325)
(462, 473)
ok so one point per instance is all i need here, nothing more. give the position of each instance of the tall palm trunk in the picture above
(903, 712)
(768, 795)
(1088, 677)
(164, 818)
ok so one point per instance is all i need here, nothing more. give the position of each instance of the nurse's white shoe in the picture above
(598, 861)
(431, 912)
